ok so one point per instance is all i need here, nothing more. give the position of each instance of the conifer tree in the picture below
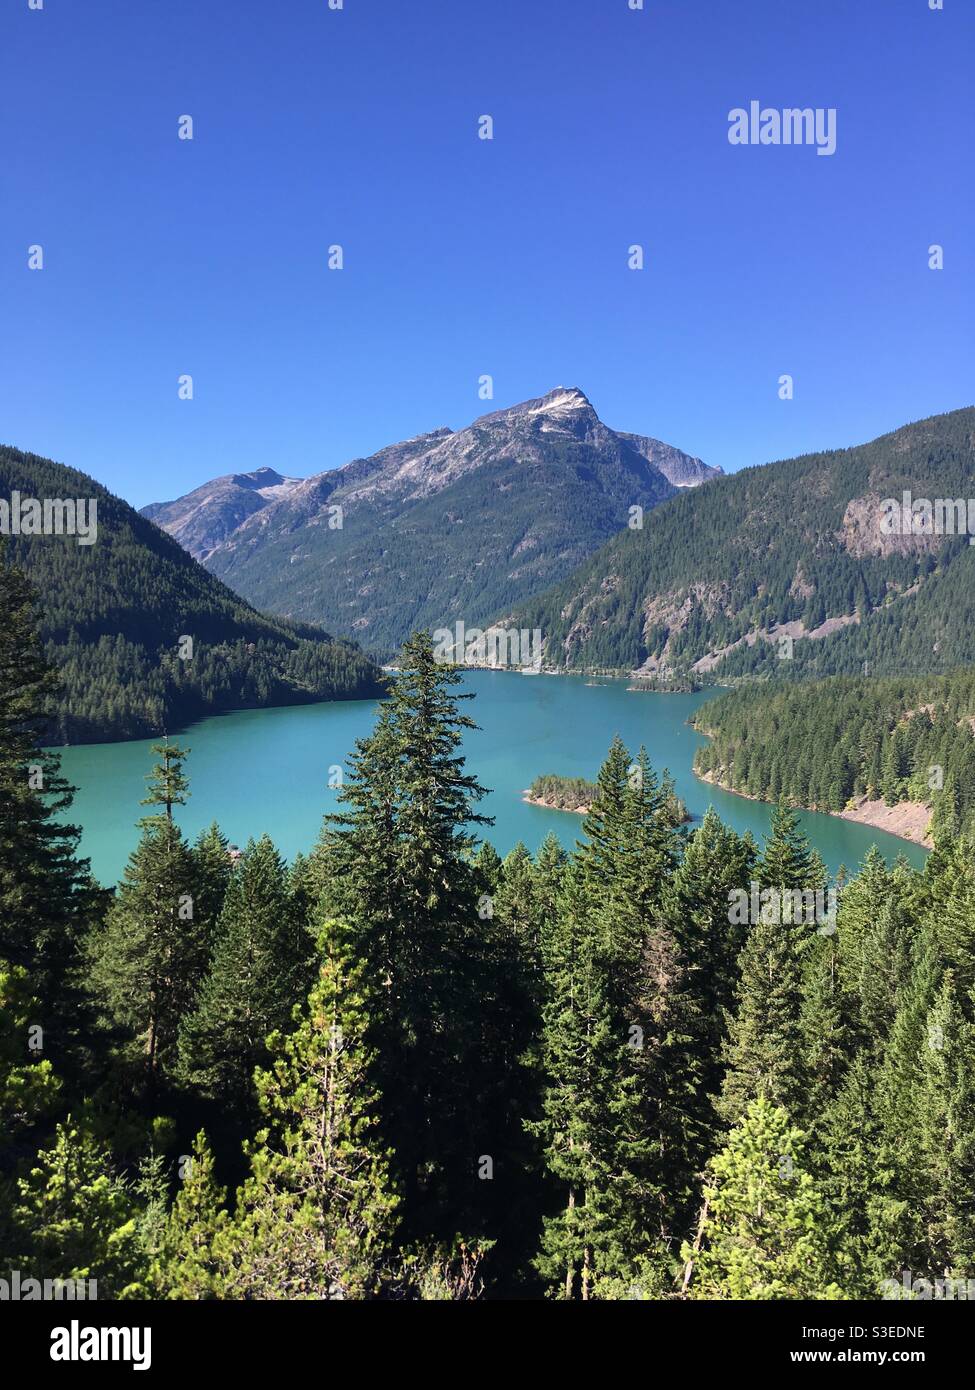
(716, 863)
(47, 899)
(944, 1175)
(787, 860)
(397, 864)
(591, 1130)
(258, 974)
(767, 1234)
(316, 1217)
(764, 1052)
(859, 1186)
(148, 958)
(186, 1265)
(212, 867)
(76, 1216)
(28, 1086)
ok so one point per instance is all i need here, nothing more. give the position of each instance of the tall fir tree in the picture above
(397, 863)
(48, 901)
(259, 972)
(148, 958)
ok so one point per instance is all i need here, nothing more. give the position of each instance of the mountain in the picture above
(208, 515)
(113, 612)
(782, 569)
(449, 526)
(678, 468)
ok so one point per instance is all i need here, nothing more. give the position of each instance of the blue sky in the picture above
(463, 256)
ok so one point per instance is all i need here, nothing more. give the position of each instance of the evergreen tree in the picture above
(186, 1263)
(77, 1217)
(316, 1217)
(591, 1129)
(47, 899)
(212, 867)
(768, 1234)
(28, 1087)
(397, 864)
(259, 972)
(148, 958)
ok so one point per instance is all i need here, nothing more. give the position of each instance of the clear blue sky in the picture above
(464, 256)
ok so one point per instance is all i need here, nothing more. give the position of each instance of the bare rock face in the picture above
(204, 518)
(677, 467)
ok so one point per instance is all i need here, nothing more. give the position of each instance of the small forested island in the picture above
(577, 794)
(672, 684)
(561, 793)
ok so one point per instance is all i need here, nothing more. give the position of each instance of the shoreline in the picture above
(912, 817)
(551, 806)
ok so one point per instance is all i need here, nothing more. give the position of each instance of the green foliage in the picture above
(828, 743)
(77, 1217)
(258, 973)
(767, 546)
(116, 612)
(767, 1231)
(28, 1087)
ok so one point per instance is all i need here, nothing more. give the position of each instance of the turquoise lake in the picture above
(268, 770)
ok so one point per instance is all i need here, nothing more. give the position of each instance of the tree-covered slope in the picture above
(718, 576)
(823, 743)
(113, 613)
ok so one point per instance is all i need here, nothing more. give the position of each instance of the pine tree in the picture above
(787, 861)
(212, 868)
(591, 1130)
(47, 898)
(259, 973)
(77, 1217)
(148, 958)
(316, 1217)
(397, 864)
(187, 1263)
(764, 1052)
(28, 1086)
(168, 786)
(767, 1233)
(859, 1186)
(944, 1172)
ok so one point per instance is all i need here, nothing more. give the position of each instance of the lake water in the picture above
(268, 770)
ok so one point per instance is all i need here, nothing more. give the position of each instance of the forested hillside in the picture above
(667, 1066)
(113, 613)
(823, 743)
(717, 576)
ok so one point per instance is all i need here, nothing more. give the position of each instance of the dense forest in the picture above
(825, 743)
(778, 545)
(404, 1068)
(117, 615)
